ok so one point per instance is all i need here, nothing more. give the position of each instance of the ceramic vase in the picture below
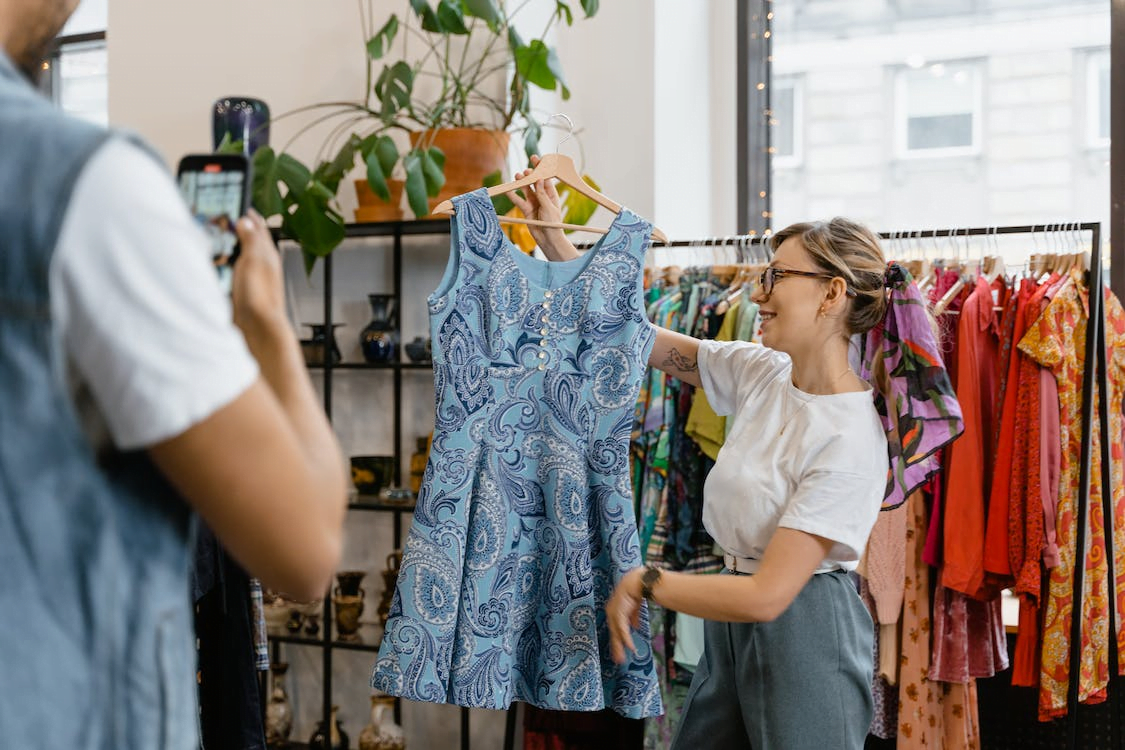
(390, 579)
(241, 118)
(279, 714)
(348, 582)
(382, 733)
(323, 339)
(378, 340)
(418, 464)
(419, 350)
(349, 603)
(332, 737)
(348, 611)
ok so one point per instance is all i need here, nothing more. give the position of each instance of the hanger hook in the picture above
(569, 125)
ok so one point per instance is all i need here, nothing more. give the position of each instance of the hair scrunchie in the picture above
(894, 275)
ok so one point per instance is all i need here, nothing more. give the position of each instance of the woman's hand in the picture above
(623, 612)
(540, 201)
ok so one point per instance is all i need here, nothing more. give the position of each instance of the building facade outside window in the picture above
(929, 115)
(938, 109)
(787, 119)
(1097, 99)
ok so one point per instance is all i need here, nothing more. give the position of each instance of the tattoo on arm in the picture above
(680, 362)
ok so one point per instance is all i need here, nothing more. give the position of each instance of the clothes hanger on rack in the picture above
(993, 265)
(948, 297)
(555, 167)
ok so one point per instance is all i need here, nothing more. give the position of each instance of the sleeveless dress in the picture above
(525, 519)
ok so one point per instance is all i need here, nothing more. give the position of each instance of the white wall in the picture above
(653, 86)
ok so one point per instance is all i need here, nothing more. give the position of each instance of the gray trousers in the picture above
(800, 682)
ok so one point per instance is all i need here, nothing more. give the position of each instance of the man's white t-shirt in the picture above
(136, 301)
(815, 463)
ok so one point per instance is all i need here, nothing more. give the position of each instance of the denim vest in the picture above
(96, 639)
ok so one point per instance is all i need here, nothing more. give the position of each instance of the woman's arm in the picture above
(788, 564)
(677, 355)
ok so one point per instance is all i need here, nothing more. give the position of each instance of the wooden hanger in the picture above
(561, 168)
(993, 268)
(949, 296)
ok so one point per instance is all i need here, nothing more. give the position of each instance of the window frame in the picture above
(797, 158)
(1096, 59)
(50, 83)
(902, 117)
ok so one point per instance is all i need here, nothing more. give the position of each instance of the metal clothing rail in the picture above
(903, 235)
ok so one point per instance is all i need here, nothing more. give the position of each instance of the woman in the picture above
(791, 499)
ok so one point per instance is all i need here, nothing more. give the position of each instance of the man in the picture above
(129, 399)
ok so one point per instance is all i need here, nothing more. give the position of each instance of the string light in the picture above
(761, 87)
(46, 65)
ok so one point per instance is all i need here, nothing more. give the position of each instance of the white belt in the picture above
(740, 564)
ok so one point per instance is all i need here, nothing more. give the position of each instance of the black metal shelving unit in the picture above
(367, 639)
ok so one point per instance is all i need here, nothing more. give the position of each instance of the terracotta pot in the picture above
(373, 208)
(470, 155)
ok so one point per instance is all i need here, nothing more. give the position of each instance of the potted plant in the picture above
(434, 115)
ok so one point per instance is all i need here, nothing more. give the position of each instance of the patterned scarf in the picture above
(913, 395)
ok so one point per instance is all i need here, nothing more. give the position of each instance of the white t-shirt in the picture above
(824, 474)
(139, 313)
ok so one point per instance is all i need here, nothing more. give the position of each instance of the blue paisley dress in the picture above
(525, 519)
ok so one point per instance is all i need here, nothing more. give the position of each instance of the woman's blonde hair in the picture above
(851, 251)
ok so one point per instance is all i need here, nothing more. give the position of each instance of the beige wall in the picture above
(655, 103)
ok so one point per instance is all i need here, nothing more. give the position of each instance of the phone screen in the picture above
(215, 195)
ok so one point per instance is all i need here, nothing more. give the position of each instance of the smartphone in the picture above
(216, 188)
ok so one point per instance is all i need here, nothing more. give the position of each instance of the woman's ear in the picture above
(837, 291)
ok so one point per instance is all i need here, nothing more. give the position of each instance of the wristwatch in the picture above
(649, 578)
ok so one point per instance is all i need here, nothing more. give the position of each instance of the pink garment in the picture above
(885, 563)
(969, 638)
(1050, 463)
(1050, 466)
(944, 280)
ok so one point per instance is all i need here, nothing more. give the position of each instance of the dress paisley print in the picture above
(525, 519)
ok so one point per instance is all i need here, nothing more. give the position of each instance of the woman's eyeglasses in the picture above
(770, 276)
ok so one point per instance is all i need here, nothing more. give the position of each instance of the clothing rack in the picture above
(1095, 366)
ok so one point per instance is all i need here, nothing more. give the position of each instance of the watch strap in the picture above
(649, 579)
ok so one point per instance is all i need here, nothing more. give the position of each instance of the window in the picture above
(938, 109)
(1097, 99)
(78, 80)
(785, 103)
(886, 91)
(74, 76)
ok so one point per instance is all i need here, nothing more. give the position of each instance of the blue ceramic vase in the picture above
(378, 340)
(242, 119)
